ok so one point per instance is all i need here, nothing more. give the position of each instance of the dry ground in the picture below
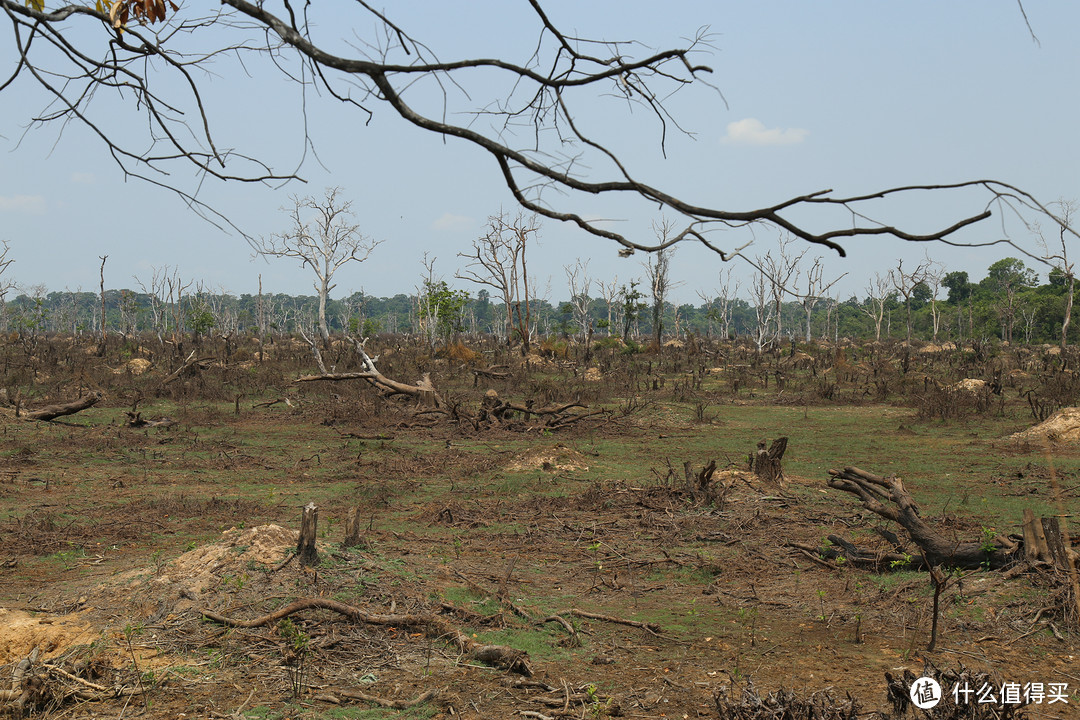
(114, 539)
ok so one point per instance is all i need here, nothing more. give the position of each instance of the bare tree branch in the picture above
(75, 52)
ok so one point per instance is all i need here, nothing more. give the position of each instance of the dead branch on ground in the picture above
(384, 702)
(136, 420)
(651, 628)
(191, 363)
(423, 391)
(501, 413)
(889, 498)
(500, 656)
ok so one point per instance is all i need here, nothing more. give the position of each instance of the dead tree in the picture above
(889, 498)
(498, 261)
(322, 237)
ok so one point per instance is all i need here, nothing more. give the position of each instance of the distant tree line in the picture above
(1009, 304)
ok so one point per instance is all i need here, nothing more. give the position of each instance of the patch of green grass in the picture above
(541, 643)
(468, 598)
(67, 559)
(886, 582)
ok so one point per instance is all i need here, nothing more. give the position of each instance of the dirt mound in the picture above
(241, 557)
(135, 366)
(1062, 426)
(21, 632)
(593, 374)
(235, 553)
(970, 385)
(551, 459)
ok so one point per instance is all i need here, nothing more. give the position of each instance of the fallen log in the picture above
(51, 412)
(887, 497)
(136, 420)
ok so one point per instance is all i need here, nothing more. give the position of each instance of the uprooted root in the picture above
(40, 687)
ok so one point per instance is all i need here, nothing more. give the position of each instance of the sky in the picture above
(845, 95)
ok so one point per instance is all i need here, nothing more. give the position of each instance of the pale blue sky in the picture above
(854, 95)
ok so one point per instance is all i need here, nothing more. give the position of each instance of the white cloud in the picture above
(34, 204)
(83, 178)
(752, 131)
(450, 221)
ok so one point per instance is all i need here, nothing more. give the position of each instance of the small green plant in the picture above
(596, 707)
(146, 680)
(988, 545)
(294, 654)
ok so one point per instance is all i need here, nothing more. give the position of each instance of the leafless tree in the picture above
(831, 307)
(904, 282)
(934, 276)
(779, 270)
(1029, 314)
(498, 260)
(368, 61)
(877, 296)
(159, 300)
(1058, 258)
(764, 310)
(610, 292)
(816, 288)
(577, 277)
(720, 305)
(658, 272)
(323, 237)
(6, 283)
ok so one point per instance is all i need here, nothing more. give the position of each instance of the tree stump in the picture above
(305, 548)
(352, 529)
(766, 463)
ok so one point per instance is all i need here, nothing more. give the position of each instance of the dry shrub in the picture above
(783, 703)
(545, 389)
(1055, 391)
(458, 352)
(41, 532)
(952, 402)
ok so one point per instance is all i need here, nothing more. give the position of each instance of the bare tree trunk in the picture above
(103, 259)
(1068, 312)
(305, 547)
